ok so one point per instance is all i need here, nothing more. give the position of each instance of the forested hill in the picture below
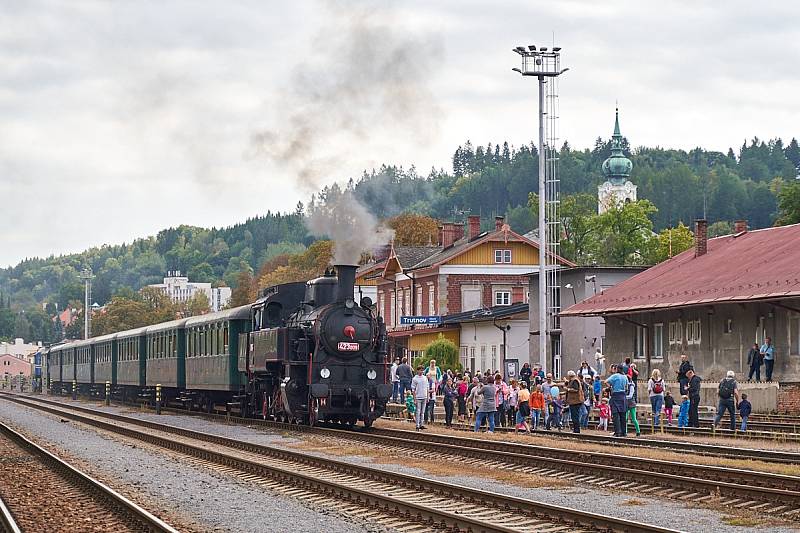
(206, 255)
(496, 179)
(490, 180)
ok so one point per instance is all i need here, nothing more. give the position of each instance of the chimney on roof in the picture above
(458, 227)
(740, 226)
(381, 252)
(498, 223)
(448, 234)
(474, 222)
(700, 237)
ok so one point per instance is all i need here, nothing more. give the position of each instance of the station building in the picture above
(467, 280)
(712, 302)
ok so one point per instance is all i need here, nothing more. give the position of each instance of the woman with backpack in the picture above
(655, 389)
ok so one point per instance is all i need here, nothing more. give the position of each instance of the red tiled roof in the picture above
(756, 265)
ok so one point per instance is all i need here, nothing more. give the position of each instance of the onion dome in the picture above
(617, 168)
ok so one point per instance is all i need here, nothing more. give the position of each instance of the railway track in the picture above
(402, 502)
(36, 485)
(779, 495)
(7, 522)
(712, 450)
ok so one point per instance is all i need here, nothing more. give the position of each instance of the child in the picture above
(557, 406)
(537, 406)
(598, 388)
(683, 414)
(411, 409)
(669, 403)
(605, 414)
(745, 408)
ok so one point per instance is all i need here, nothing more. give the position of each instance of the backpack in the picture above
(658, 386)
(726, 388)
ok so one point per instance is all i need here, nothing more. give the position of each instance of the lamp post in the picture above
(574, 298)
(543, 64)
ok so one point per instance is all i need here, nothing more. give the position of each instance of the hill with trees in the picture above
(758, 184)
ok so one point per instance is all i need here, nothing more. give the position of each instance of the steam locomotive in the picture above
(304, 352)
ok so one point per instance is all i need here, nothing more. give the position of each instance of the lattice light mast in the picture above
(87, 276)
(545, 65)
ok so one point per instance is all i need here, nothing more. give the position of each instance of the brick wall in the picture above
(455, 281)
(789, 398)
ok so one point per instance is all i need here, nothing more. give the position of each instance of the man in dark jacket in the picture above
(682, 371)
(405, 374)
(693, 391)
(728, 392)
(525, 373)
(755, 360)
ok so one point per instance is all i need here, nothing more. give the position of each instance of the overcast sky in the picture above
(118, 119)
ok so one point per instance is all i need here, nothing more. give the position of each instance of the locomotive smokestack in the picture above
(347, 281)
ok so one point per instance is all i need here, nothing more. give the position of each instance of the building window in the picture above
(794, 334)
(658, 341)
(502, 298)
(639, 345)
(676, 332)
(494, 356)
(502, 256)
(728, 325)
(392, 309)
(693, 332)
(407, 302)
(431, 300)
(472, 358)
(418, 303)
(483, 357)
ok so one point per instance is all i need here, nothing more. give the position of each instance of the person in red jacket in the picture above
(605, 414)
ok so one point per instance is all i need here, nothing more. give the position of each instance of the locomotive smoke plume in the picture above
(364, 74)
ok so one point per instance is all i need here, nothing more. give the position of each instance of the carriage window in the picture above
(225, 338)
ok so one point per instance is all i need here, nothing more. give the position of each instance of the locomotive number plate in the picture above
(348, 347)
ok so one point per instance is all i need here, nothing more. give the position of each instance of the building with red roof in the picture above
(711, 302)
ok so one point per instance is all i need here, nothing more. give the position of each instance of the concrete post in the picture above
(108, 393)
(74, 389)
(158, 398)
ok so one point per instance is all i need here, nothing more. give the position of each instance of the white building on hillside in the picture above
(180, 289)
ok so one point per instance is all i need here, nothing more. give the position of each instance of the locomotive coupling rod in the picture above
(158, 398)
(108, 393)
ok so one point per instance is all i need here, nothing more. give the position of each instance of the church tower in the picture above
(616, 169)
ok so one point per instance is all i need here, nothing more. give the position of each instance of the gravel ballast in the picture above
(212, 501)
(659, 510)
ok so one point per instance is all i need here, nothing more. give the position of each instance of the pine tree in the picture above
(793, 153)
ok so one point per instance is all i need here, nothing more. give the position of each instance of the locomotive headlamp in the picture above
(325, 373)
(349, 303)
(371, 374)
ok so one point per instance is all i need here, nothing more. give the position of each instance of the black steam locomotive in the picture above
(304, 352)
(314, 354)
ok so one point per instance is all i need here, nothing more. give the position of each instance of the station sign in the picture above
(420, 320)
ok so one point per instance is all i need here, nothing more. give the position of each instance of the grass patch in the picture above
(741, 521)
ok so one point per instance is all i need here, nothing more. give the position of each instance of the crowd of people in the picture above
(534, 400)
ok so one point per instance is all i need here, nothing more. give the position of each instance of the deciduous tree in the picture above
(414, 230)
